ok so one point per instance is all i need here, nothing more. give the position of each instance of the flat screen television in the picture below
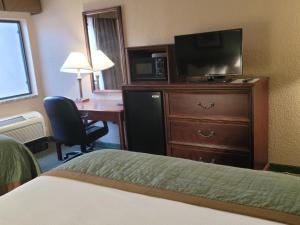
(218, 53)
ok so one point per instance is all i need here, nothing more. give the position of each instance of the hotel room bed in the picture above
(119, 187)
(17, 164)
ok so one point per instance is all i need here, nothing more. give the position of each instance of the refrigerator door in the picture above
(145, 121)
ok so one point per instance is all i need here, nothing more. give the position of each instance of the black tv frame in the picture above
(211, 77)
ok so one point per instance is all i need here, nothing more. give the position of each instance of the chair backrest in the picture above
(66, 123)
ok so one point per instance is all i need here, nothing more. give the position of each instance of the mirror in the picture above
(103, 31)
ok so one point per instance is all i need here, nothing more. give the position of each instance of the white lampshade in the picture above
(76, 63)
(100, 61)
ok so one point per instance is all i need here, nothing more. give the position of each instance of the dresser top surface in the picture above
(236, 83)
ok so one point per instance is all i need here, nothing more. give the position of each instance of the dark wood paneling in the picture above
(210, 155)
(204, 105)
(260, 114)
(105, 116)
(232, 136)
(33, 6)
(1, 5)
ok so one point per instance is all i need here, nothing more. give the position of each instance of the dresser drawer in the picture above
(235, 136)
(209, 105)
(209, 155)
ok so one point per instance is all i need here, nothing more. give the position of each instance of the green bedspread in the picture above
(274, 193)
(17, 164)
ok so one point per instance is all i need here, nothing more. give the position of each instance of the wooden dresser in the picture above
(218, 123)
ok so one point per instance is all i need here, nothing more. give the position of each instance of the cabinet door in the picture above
(145, 121)
(33, 6)
(230, 105)
(1, 5)
(213, 134)
(212, 155)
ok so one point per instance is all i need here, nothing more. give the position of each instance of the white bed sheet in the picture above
(59, 201)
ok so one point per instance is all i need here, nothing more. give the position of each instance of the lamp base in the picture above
(82, 99)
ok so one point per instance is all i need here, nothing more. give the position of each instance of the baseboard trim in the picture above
(101, 144)
(284, 168)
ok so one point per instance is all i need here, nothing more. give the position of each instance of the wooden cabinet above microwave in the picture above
(150, 64)
(32, 6)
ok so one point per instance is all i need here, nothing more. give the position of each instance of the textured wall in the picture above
(271, 46)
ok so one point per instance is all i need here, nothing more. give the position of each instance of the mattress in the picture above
(120, 187)
(50, 200)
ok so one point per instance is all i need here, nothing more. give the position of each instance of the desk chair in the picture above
(68, 126)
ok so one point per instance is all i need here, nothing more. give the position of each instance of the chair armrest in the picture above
(84, 117)
(95, 121)
(90, 123)
(105, 124)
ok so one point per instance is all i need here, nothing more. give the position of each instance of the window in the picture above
(14, 75)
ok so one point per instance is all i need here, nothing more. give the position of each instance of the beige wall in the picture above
(33, 103)
(271, 47)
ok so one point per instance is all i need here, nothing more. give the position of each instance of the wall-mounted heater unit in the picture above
(25, 127)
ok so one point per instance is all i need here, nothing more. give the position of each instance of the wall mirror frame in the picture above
(107, 21)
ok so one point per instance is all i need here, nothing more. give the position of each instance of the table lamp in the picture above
(100, 62)
(79, 64)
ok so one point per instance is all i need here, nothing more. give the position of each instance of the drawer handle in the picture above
(208, 106)
(206, 134)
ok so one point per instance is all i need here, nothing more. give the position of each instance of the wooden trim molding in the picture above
(1, 5)
(32, 6)
(118, 13)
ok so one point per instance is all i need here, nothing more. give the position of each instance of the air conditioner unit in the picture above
(25, 127)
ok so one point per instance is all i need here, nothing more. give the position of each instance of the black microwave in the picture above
(149, 68)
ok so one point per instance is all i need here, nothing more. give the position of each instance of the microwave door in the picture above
(142, 69)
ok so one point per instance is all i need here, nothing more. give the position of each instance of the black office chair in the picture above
(68, 125)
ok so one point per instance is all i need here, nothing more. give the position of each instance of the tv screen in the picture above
(216, 53)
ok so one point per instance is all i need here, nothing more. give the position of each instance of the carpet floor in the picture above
(48, 158)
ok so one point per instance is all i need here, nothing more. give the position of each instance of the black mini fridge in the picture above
(145, 121)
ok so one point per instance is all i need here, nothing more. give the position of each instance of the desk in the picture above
(105, 110)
